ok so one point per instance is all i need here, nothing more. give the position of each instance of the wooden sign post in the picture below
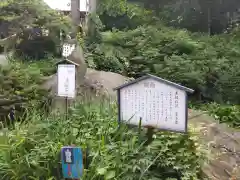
(159, 103)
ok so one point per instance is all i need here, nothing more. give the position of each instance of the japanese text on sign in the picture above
(67, 49)
(66, 80)
(157, 104)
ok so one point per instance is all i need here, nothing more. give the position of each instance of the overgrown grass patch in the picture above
(31, 151)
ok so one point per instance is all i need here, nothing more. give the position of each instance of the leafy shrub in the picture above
(27, 19)
(37, 48)
(209, 65)
(20, 83)
(122, 15)
(31, 151)
(224, 113)
(19, 78)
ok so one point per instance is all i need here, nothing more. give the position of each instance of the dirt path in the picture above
(224, 145)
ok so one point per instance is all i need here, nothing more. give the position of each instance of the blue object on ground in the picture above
(72, 162)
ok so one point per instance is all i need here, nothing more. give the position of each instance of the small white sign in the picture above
(66, 80)
(67, 49)
(157, 104)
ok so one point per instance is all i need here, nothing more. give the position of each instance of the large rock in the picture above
(103, 82)
(223, 144)
(95, 83)
(3, 60)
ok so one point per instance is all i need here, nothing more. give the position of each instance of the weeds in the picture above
(31, 151)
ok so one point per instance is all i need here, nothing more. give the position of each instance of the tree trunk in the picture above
(206, 9)
(90, 24)
(75, 14)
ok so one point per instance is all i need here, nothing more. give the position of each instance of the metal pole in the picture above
(66, 103)
(150, 132)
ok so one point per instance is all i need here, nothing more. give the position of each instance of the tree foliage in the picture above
(209, 65)
(212, 16)
(20, 88)
(122, 15)
(26, 19)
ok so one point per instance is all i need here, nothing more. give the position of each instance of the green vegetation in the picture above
(23, 22)
(130, 40)
(209, 65)
(20, 86)
(224, 113)
(31, 150)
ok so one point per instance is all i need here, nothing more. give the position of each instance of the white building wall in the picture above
(65, 5)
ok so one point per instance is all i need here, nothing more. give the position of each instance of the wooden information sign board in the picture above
(157, 102)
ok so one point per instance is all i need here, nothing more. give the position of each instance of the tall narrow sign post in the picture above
(67, 76)
(160, 104)
(72, 158)
(66, 82)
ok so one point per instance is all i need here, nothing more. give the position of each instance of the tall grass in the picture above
(31, 151)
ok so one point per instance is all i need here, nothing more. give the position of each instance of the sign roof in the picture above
(66, 61)
(160, 80)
